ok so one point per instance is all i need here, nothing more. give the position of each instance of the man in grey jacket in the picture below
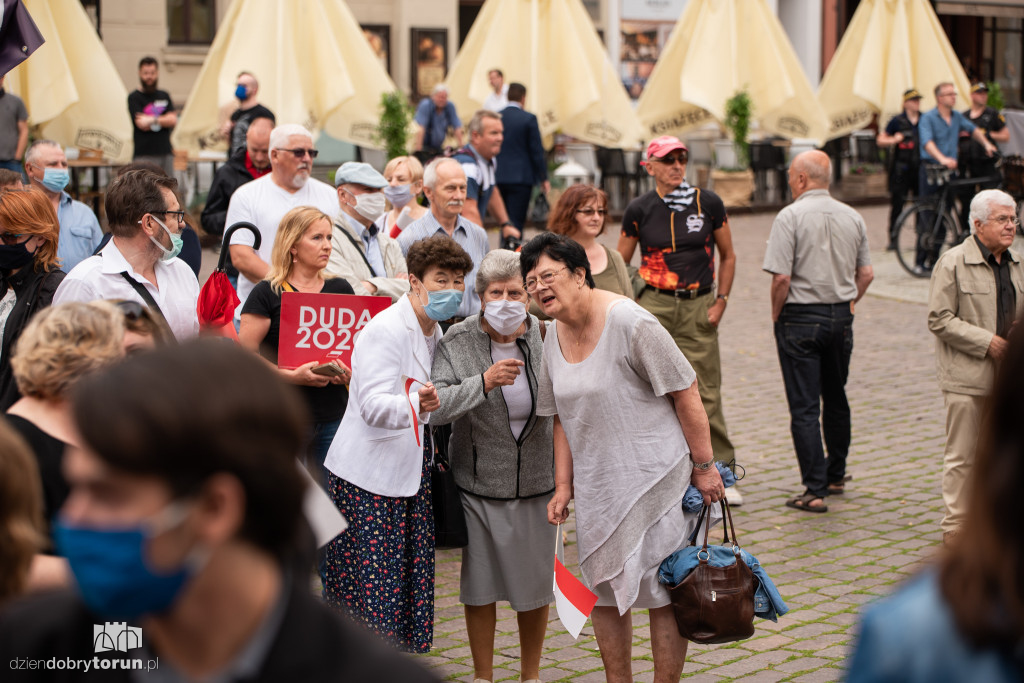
(977, 294)
(361, 253)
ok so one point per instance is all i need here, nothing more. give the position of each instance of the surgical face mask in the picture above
(54, 179)
(111, 570)
(442, 304)
(240, 92)
(505, 316)
(398, 195)
(370, 205)
(176, 242)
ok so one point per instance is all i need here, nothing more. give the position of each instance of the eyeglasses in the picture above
(668, 161)
(12, 237)
(1001, 220)
(178, 215)
(301, 152)
(951, 93)
(546, 278)
(590, 212)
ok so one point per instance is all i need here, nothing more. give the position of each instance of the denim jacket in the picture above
(768, 603)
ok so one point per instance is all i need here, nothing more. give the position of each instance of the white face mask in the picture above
(504, 316)
(371, 205)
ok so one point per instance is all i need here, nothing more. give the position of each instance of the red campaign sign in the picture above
(323, 327)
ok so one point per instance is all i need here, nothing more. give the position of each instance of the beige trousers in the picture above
(963, 417)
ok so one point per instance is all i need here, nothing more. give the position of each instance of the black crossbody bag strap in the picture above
(373, 273)
(144, 293)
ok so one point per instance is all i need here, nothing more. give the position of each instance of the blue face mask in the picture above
(240, 92)
(55, 179)
(442, 305)
(110, 568)
(176, 242)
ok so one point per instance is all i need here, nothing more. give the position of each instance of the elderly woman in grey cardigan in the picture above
(485, 371)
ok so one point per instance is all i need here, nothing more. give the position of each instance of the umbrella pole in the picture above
(534, 39)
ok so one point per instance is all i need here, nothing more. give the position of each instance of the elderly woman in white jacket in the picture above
(381, 569)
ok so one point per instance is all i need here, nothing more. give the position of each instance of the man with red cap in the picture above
(679, 227)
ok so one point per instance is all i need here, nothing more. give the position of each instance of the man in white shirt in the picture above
(361, 253)
(139, 263)
(498, 99)
(264, 201)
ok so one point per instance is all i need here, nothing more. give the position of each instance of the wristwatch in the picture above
(724, 297)
(702, 465)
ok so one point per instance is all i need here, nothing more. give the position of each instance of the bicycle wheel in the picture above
(910, 239)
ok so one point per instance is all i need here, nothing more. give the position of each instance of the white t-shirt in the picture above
(263, 203)
(496, 102)
(518, 398)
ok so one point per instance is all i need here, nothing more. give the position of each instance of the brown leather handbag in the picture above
(715, 604)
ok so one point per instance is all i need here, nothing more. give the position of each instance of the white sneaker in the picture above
(733, 495)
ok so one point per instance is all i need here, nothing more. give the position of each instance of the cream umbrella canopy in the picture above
(718, 48)
(552, 48)
(889, 47)
(313, 64)
(70, 86)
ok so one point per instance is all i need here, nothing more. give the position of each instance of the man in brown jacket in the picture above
(977, 293)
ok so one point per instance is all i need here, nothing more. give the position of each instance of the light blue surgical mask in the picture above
(443, 304)
(55, 179)
(176, 242)
(398, 195)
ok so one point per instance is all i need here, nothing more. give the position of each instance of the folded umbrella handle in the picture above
(241, 225)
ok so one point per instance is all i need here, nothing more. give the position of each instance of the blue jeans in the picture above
(815, 342)
(320, 440)
(14, 165)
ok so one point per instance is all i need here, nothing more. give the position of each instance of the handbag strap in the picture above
(144, 293)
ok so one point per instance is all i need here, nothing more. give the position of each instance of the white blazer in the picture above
(375, 447)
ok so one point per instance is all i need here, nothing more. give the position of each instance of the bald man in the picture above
(820, 265)
(251, 163)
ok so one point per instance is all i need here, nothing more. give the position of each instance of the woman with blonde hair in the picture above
(405, 183)
(301, 251)
(60, 345)
(29, 271)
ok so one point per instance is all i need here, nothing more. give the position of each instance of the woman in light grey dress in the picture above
(485, 371)
(630, 434)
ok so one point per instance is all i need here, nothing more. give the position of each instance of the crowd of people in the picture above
(153, 477)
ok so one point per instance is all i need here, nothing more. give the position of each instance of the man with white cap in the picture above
(679, 228)
(264, 201)
(371, 261)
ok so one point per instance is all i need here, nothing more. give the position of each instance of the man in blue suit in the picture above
(521, 162)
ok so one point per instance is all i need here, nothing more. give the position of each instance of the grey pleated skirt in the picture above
(510, 556)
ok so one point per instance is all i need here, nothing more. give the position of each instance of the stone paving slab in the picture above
(826, 566)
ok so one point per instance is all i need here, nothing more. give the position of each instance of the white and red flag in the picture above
(573, 600)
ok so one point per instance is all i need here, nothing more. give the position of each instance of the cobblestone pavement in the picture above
(826, 566)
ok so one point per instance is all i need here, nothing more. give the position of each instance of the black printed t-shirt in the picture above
(150, 143)
(326, 404)
(677, 248)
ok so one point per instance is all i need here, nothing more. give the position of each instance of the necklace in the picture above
(577, 357)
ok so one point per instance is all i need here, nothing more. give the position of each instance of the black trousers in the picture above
(902, 182)
(815, 342)
(517, 201)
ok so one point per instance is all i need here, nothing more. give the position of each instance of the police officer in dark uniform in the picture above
(905, 156)
(974, 163)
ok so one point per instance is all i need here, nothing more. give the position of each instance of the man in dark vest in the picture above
(904, 157)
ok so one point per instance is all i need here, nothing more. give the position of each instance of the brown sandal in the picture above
(804, 503)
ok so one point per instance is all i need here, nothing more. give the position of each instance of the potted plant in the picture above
(866, 180)
(733, 180)
(393, 127)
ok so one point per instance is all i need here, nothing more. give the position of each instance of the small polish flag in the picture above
(573, 600)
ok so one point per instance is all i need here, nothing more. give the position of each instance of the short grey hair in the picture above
(33, 151)
(440, 87)
(279, 136)
(476, 124)
(430, 172)
(499, 265)
(981, 205)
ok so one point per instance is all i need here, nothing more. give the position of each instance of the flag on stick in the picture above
(573, 600)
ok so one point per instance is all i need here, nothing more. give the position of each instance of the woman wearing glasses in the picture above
(29, 272)
(580, 214)
(627, 455)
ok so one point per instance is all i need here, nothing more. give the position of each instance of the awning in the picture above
(981, 8)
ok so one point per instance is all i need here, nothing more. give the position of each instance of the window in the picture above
(190, 21)
(1002, 56)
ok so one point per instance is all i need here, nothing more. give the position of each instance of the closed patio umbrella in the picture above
(313, 63)
(717, 48)
(70, 86)
(551, 47)
(889, 47)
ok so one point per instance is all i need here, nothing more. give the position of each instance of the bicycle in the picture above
(933, 224)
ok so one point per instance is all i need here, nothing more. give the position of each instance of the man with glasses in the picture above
(266, 200)
(977, 292)
(80, 233)
(939, 130)
(679, 228)
(139, 262)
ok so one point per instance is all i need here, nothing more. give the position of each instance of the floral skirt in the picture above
(381, 569)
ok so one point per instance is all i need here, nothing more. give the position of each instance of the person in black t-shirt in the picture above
(249, 109)
(904, 158)
(974, 162)
(302, 249)
(153, 114)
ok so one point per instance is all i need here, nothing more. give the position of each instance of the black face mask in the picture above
(13, 256)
